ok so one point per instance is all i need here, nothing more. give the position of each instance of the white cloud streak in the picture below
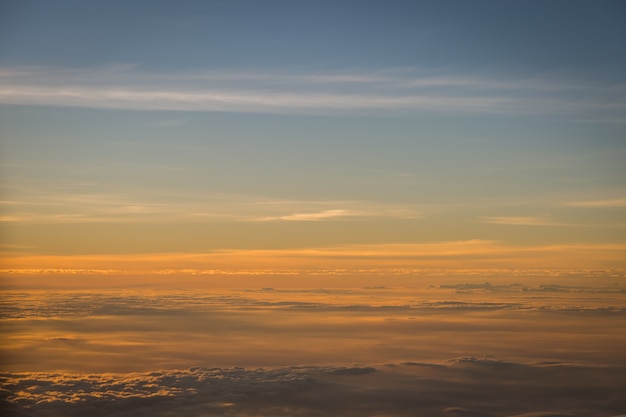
(267, 92)
(236, 101)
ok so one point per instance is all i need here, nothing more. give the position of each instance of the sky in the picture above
(313, 208)
(441, 134)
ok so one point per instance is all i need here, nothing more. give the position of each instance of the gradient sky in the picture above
(279, 208)
(396, 133)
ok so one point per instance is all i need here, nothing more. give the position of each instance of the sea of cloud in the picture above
(519, 347)
(464, 295)
(459, 387)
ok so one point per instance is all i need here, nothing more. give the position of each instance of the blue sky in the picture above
(494, 36)
(379, 122)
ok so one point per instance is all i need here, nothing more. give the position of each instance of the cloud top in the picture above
(463, 387)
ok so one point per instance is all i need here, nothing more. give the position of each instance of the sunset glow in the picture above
(283, 208)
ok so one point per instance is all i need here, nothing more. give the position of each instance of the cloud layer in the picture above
(460, 296)
(465, 386)
(283, 323)
(388, 258)
(358, 346)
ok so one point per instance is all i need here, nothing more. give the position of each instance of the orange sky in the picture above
(475, 254)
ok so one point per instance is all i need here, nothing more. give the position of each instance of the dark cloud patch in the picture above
(463, 412)
(125, 394)
(304, 291)
(428, 365)
(351, 371)
(546, 414)
(468, 287)
(463, 387)
(488, 362)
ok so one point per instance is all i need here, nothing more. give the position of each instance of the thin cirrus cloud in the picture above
(453, 255)
(322, 215)
(126, 87)
(608, 203)
(336, 214)
(519, 221)
(38, 206)
(233, 101)
(59, 206)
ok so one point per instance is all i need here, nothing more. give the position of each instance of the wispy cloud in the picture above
(322, 215)
(367, 210)
(609, 203)
(58, 206)
(236, 101)
(519, 221)
(455, 255)
(52, 202)
(271, 92)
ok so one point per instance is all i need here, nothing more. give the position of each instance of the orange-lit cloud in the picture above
(455, 255)
(519, 221)
(317, 216)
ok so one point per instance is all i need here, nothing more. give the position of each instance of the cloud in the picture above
(302, 351)
(464, 387)
(14, 247)
(502, 296)
(273, 92)
(519, 221)
(397, 258)
(50, 202)
(485, 362)
(321, 215)
(235, 101)
(610, 203)
(351, 371)
(467, 287)
(351, 209)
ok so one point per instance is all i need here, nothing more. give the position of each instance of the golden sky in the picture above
(317, 208)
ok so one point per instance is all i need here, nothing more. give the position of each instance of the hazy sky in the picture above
(432, 132)
(305, 208)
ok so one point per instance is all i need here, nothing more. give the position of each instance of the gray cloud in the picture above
(462, 387)
(467, 287)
